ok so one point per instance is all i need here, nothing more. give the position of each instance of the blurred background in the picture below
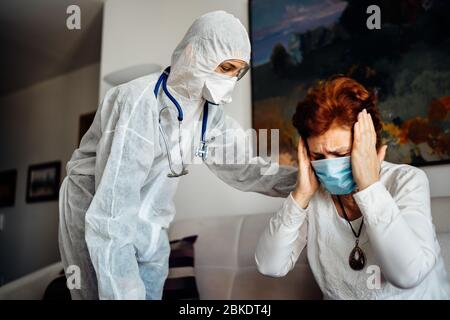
(52, 78)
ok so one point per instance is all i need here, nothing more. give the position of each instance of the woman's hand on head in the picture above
(307, 183)
(366, 160)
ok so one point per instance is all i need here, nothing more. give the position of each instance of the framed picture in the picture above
(407, 61)
(8, 180)
(43, 182)
(84, 124)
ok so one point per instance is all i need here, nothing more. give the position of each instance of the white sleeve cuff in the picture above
(376, 204)
(292, 214)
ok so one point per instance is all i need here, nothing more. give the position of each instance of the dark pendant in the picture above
(357, 259)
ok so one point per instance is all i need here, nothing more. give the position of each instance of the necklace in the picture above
(357, 258)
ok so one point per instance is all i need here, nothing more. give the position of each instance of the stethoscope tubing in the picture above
(203, 149)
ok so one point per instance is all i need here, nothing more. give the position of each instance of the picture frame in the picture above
(8, 182)
(43, 181)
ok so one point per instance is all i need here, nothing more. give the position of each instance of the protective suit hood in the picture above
(211, 39)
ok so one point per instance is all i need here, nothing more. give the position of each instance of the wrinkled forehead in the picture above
(334, 139)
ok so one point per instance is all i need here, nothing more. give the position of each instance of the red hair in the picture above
(337, 100)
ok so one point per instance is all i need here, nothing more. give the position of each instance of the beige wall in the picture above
(39, 124)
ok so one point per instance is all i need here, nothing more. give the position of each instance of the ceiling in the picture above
(36, 44)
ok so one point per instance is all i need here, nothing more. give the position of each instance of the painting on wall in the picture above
(407, 61)
(43, 182)
(8, 180)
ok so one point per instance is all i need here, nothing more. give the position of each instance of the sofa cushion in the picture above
(218, 239)
(444, 242)
(31, 286)
(214, 283)
(440, 211)
(225, 265)
(252, 227)
(249, 284)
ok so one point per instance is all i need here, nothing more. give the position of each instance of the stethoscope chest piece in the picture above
(202, 150)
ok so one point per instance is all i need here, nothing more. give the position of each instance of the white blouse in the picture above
(398, 239)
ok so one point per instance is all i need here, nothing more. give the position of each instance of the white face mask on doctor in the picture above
(218, 88)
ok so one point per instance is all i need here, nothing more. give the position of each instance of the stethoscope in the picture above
(202, 151)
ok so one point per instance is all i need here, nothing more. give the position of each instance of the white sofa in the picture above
(224, 260)
(224, 257)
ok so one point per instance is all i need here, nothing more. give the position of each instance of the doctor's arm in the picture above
(111, 217)
(231, 158)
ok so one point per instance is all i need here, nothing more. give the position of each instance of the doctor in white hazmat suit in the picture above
(116, 201)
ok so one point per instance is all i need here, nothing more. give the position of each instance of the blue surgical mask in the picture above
(335, 175)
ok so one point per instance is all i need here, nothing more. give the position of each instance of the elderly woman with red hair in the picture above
(365, 222)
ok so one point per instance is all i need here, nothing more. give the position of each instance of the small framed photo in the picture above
(43, 182)
(8, 180)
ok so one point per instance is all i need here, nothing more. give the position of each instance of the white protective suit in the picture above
(116, 202)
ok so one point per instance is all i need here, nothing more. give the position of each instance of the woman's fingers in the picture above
(302, 153)
(365, 159)
(370, 120)
(299, 148)
(357, 131)
(364, 129)
(373, 133)
(363, 123)
(364, 136)
(307, 183)
(365, 116)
